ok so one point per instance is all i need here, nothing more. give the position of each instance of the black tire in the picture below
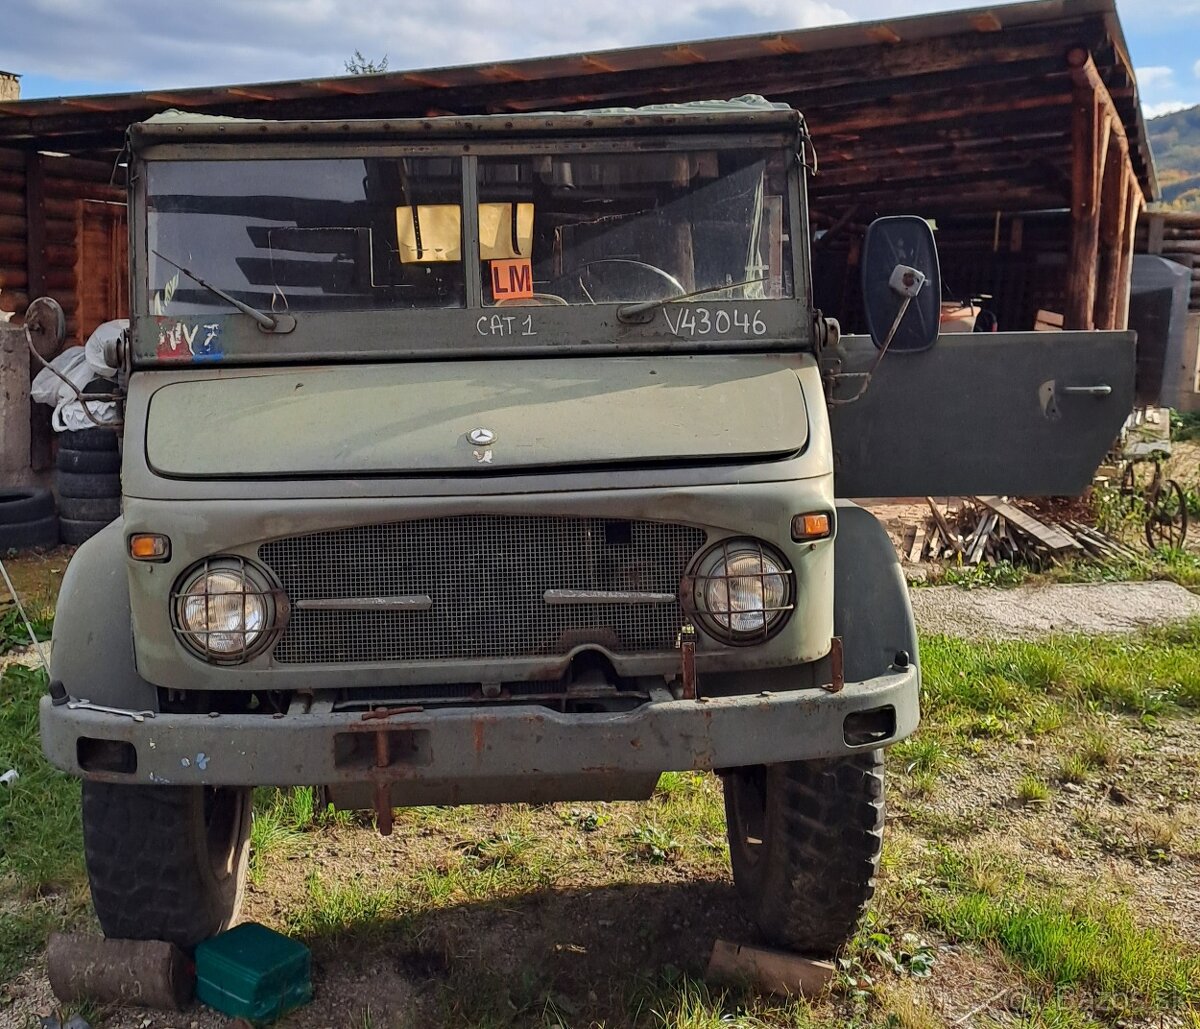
(807, 883)
(25, 505)
(75, 532)
(88, 439)
(89, 509)
(88, 462)
(166, 862)
(22, 535)
(79, 484)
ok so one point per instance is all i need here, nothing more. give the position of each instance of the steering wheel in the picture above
(667, 277)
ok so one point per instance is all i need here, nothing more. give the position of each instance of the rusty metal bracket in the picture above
(685, 642)
(387, 712)
(383, 791)
(837, 666)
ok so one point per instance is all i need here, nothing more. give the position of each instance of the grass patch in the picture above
(1031, 790)
(42, 883)
(1087, 943)
(1072, 768)
(998, 688)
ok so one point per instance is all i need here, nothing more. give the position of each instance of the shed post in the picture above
(1101, 173)
(38, 445)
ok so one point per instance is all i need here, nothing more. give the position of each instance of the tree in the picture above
(359, 65)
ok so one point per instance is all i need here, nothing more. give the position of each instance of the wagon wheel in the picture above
(1166, 524)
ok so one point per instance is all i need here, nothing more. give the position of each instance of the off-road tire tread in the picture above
(88, 462)
(146, 863)
(825, 835)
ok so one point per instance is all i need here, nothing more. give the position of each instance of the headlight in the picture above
(225, 609)
(742, 591)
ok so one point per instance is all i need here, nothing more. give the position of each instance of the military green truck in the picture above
(499, 459)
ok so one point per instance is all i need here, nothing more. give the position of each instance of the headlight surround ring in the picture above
(227, 609)
(741, 591)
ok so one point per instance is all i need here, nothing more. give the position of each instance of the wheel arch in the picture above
(871, 609)
(92, 652)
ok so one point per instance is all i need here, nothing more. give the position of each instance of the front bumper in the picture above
(460, 745)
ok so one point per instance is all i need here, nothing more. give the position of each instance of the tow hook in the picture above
(685, 643)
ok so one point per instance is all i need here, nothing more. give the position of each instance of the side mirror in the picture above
(902, 283)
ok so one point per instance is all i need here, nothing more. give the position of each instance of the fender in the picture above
(871, 609)
(92, 652)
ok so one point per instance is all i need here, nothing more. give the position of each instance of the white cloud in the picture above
(1156, 76)
(1166, 107)
(1196, 69)
(160, 45)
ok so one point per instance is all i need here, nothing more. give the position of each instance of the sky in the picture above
(69, 47)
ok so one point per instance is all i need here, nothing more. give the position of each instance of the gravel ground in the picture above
(1030, 611)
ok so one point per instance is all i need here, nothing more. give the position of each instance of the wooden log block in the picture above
(149, 973)
(774, 971)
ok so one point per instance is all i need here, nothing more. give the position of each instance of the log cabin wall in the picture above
(62, 234)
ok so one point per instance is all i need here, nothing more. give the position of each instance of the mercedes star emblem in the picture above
(481, 437)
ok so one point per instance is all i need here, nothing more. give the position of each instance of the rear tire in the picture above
(166, 862)
(807, 883)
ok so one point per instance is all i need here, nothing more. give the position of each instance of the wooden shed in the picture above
(1017, 128)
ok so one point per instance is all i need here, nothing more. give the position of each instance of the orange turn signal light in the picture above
(815, 525)
(149, 546)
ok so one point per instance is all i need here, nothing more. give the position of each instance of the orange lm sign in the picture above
(512, 280)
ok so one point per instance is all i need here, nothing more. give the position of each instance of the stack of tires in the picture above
(27, 519)
(89, 482)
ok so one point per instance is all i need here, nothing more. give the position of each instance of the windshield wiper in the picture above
(266, 322)
(631, 311)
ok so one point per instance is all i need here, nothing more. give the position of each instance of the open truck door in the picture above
(1012, 413)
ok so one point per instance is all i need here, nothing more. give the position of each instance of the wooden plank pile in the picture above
(991, 530)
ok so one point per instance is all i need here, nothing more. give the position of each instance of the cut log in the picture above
(775, 971)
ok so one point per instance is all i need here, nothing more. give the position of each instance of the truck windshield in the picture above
(613, 228)
(322, 234)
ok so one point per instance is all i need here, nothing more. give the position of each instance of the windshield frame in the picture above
(477, 329)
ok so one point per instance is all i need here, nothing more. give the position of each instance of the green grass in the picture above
(1032, 790)
(42, 883)
(1062, 942)
(998, 688)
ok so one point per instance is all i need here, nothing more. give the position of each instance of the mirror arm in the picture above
(866, 376)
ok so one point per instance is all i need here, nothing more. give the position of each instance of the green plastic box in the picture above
(253, 972)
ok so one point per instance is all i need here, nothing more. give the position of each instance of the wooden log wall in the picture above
(1174, 235)
(49, 247)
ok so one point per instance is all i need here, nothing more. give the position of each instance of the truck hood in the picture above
(470, 417)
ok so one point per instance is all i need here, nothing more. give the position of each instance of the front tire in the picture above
(804, 841)
(166, 862)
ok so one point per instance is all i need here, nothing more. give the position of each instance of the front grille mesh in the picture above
(487, 576)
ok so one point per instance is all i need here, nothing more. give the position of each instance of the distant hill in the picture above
(1175, 140)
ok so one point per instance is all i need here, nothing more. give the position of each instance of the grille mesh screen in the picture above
(486, 575)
